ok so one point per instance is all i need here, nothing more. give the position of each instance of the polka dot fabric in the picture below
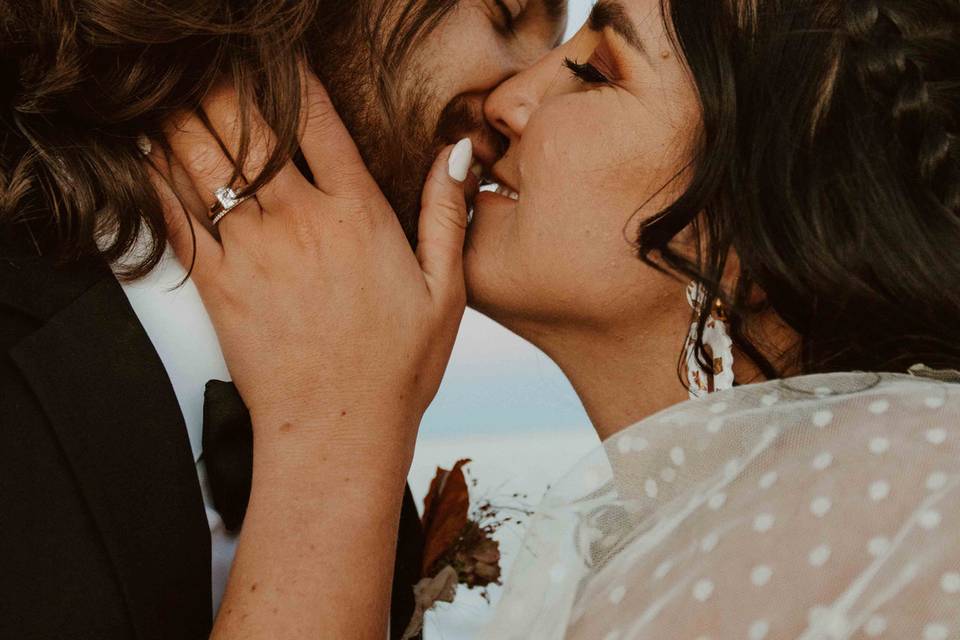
(821, 507)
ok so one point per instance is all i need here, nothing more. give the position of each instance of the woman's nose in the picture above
(509, 107)
(511, 104)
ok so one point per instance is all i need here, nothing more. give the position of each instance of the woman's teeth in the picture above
(504, 191)
(499, 189)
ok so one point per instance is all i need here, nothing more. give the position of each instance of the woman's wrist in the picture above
(310, 442)
(318, 543)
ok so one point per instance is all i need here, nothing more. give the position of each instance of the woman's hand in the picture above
(336, 335)
(323, 311)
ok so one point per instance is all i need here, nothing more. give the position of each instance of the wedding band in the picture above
(227, 201)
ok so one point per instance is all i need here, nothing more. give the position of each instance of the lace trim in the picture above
(942, 375)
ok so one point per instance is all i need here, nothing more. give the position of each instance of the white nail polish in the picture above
(460, 160)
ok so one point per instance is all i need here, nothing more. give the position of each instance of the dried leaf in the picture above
(487, 552)
(445, 511)
(426, 593)
(477, 558)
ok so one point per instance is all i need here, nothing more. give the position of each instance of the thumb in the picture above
(443, 220)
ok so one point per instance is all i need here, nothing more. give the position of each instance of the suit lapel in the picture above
(407, 570)
(111, 404)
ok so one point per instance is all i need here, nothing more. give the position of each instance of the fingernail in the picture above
(477, 169)
(460, 160)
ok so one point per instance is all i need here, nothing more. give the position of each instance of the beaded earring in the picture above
(716, 338)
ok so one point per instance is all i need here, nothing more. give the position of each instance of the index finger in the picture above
(329, 149)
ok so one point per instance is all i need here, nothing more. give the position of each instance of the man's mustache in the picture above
(465, 115)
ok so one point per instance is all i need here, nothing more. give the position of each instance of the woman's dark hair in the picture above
(829, 165)
(82, 80)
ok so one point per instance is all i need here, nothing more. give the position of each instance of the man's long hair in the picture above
(82, 80)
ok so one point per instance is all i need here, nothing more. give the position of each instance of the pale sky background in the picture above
(498, 384)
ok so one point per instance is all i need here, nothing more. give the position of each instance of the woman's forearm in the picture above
(315, 559)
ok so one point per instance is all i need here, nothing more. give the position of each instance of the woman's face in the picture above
(590, 157)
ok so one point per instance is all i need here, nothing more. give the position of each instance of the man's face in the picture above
(439, 91)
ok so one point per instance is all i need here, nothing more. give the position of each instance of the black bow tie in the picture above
(227, 451)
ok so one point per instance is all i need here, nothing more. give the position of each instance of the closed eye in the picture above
(586, 72)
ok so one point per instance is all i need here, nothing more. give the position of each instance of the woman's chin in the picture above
(492, 215)
(484, 252)
(499, 279)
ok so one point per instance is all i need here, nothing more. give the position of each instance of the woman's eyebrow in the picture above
(610, 13)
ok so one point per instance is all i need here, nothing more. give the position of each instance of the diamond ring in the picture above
(227, 201)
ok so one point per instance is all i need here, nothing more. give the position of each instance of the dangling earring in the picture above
(715, 337)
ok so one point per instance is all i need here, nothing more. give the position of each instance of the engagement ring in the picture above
(227, 201)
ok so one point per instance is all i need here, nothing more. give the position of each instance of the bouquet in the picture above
(459, 547)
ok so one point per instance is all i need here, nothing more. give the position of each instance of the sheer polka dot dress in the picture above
(821, 507)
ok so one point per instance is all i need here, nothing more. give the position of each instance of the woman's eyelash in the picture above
(586, 72)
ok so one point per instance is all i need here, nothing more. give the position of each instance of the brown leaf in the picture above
(445, 512)
(478, 558)
(487, 552)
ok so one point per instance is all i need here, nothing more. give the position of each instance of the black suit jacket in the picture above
(103, 532)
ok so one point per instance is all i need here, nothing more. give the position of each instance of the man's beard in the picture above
(399, 136)
(401, 165)
(392, 118)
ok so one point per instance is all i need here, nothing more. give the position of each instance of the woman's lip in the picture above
(496, 174)
(500, 182)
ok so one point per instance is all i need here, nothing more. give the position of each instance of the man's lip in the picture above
(485, 156)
